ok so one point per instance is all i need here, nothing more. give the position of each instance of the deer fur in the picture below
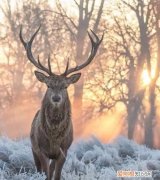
(52, 131)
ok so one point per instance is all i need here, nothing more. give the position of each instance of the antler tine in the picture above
(40, 64)
(97, 39)
(49, 64)
(28, 48)
(34, 35)
(66, 70)
(95, 45)
(21, 38)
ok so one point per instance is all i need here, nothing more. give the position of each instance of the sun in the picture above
(146, 79)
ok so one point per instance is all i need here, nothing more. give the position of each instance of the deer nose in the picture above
(56, 98)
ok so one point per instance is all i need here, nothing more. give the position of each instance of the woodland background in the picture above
(119, 93)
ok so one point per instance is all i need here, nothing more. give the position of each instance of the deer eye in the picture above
(65, 86)
(49, 86)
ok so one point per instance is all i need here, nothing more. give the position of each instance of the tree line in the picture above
(131, 45)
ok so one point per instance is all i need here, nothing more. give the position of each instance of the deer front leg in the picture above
(44, 164)
(58, 167)
(37, 161)
(41, 162)
(51, 169)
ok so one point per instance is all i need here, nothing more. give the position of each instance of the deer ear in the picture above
(40, 76)
(73, 78)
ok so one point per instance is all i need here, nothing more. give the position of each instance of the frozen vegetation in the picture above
(86, 160)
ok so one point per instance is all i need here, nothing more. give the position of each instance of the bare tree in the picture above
(130, 53)
(89, 16)
(151, 116)
(15, 67)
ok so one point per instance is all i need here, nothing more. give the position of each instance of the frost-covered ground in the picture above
(86, 160)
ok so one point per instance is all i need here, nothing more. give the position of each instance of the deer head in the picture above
(57, 84)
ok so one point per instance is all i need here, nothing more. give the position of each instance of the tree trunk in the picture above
(78, 87)
(78, 97)
(150, 118)
(133, 113)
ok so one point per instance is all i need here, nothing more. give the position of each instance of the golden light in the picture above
(146, 79)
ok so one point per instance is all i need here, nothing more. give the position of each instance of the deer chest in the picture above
(50, 142)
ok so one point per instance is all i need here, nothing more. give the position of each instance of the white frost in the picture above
(86, 160)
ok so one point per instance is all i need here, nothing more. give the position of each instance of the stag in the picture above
(51, 131)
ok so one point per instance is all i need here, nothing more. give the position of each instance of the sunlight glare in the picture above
(146, 79)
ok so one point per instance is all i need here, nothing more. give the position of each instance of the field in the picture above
(86, 160)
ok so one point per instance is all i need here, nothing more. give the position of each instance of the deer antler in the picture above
(95, 44)
(28, 48)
